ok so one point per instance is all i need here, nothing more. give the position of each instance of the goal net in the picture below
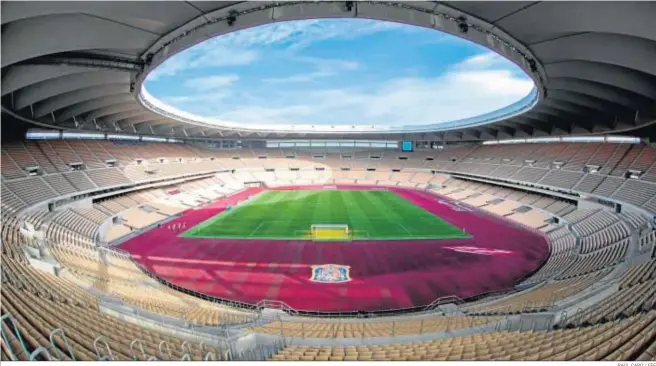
(328, 232)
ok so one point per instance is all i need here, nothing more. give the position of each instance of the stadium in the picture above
(134, 229)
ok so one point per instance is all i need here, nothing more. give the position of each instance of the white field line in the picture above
(403, 227)
(257, 228)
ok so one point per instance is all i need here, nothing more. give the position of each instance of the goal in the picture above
(330, 232)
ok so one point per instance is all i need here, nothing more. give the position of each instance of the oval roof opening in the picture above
(339, 74)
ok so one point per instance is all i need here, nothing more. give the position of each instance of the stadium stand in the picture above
(581, 255)
(591, 343)
(66, 202)
(350, 329)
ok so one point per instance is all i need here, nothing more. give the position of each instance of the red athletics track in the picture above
(385, 274)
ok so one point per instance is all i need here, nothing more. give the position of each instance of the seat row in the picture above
(363, 329)
(563, 254)
(539, 298)
(620, 340)
(637, 293)
(605, 237)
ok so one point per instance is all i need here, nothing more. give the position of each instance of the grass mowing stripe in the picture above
(385, 209)
(298, 212)
(347, 207)
(387, 216)
(421, 216)
(361, 205)
(262, 213)
(195, 231)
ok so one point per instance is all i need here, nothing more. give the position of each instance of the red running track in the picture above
(385, 274)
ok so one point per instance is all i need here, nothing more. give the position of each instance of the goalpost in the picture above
(330, 232)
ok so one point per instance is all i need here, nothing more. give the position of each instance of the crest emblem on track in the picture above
(330, 273)
(480, 251)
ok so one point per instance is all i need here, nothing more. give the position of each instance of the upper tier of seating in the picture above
(561, 165)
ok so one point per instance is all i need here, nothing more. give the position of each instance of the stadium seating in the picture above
(37, 316)
(563, 253)
(539, 298)
(360, 329)
(611, 341)
(585, 251)
(637, 292)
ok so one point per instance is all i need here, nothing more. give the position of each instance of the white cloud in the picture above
(211, 82)
(484, 61)
(324, 68)
(197, 98)
(206, 90)
(326, 64)
(239, 48)
(169, 67)
(269, 114)
(479, 84)
(300, 34)
(476, 86)
(219, 56)
(203, 58)
(299, 78)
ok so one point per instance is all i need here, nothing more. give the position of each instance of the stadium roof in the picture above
(82, 64)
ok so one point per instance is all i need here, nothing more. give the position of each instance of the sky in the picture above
(338, 72)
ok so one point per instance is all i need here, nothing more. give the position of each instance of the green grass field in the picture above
(375, 215)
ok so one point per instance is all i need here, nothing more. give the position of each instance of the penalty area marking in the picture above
(362, 233)
(302, 234)
(257, 228)
(403, 227)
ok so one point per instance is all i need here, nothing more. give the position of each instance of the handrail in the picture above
(488, 294)
(54, 346)
(275, 304)
(5, 339)
(109, 355)
(38, 351)
(143, 353)
(563, 319)
(5, 349)
(115, 251)
(451, 299)
(578, 316)
(187, 345)
(168, 350)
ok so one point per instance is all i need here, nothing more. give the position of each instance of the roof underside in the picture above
(80, 64)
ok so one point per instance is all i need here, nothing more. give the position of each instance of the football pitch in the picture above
(289, 215)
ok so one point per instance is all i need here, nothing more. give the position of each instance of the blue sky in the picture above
(338, 72)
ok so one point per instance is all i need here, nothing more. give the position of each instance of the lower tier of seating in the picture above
(620, 340)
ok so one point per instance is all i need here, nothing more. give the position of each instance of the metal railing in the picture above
(493, 294)
(222, 350)
(275, 304)
(323, 328)
(16, 334)
(261, 352)
(444, 300)
(53, 344)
